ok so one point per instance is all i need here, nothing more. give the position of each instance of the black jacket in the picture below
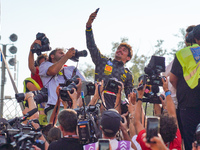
(106, 68)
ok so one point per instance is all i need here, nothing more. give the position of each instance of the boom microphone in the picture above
(29, 114)
(21, 119)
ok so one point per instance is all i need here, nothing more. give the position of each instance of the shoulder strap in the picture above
(49, 81)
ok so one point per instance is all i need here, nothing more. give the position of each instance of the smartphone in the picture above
(104, 144)
(153, 127)
(97, 10)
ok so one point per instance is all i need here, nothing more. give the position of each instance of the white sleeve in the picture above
(137, 145)
(44, 68)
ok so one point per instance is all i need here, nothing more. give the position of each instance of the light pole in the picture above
(13, 38)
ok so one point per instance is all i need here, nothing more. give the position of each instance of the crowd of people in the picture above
(64, 125)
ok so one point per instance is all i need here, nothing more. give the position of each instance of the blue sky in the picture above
(63, 21)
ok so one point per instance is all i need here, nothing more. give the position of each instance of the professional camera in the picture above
(40, 96)
(25, 141)
(153, 70)
(88, 87)
(68, 86)
(14, 135)
(88, 124)
(45, 44)
(78, 54)
(153, 79)
(112, 85)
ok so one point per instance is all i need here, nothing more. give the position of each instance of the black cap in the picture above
(110, 121)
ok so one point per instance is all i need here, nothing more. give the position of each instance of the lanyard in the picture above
(70, 136)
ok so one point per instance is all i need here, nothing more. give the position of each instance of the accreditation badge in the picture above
(108, 70)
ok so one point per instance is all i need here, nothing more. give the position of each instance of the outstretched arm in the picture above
(57, 66)
(31, 62)
(94, 51)
(138, 111)
(170, 104)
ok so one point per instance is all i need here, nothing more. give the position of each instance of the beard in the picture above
(118, 57)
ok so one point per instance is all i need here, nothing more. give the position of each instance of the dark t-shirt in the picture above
(66, 144)
(186, 96)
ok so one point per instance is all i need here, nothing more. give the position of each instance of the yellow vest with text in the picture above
(191, 68)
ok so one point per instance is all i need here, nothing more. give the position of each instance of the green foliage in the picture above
(89, 72)
(181, 44)
(160, 51)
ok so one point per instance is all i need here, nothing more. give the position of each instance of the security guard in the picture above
(105, 68)
(185, 74)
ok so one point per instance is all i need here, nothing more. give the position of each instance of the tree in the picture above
(89, 72)
(181, 44)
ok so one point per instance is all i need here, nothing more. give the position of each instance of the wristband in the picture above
(167, 93)
(29, 97)
(139, 99)
(131, 116)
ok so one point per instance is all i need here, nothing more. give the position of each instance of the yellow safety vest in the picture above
(42, 117)
(34, 82)
(189, 59)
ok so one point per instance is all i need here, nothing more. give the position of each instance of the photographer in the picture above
(29, 99)
(67, 119)
(34, 83)
(110, 124)
(53, 72)
(105, 68)
(168, 123)
(185, 78)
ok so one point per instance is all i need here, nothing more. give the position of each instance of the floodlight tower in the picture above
(13, 50)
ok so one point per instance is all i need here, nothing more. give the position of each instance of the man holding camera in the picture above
(54, 72)
(111, 123)
(185, 78)
(105, 68)
(67, 119)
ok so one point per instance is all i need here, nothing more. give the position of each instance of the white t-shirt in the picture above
(51, 84)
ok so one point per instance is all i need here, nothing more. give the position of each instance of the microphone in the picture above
(18, 120)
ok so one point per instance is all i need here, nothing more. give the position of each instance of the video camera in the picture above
(153, 79)
(45, 44)
(88, 123)
(40, 96)
(14, 135)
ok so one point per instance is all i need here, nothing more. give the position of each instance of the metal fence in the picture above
(11, 109)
